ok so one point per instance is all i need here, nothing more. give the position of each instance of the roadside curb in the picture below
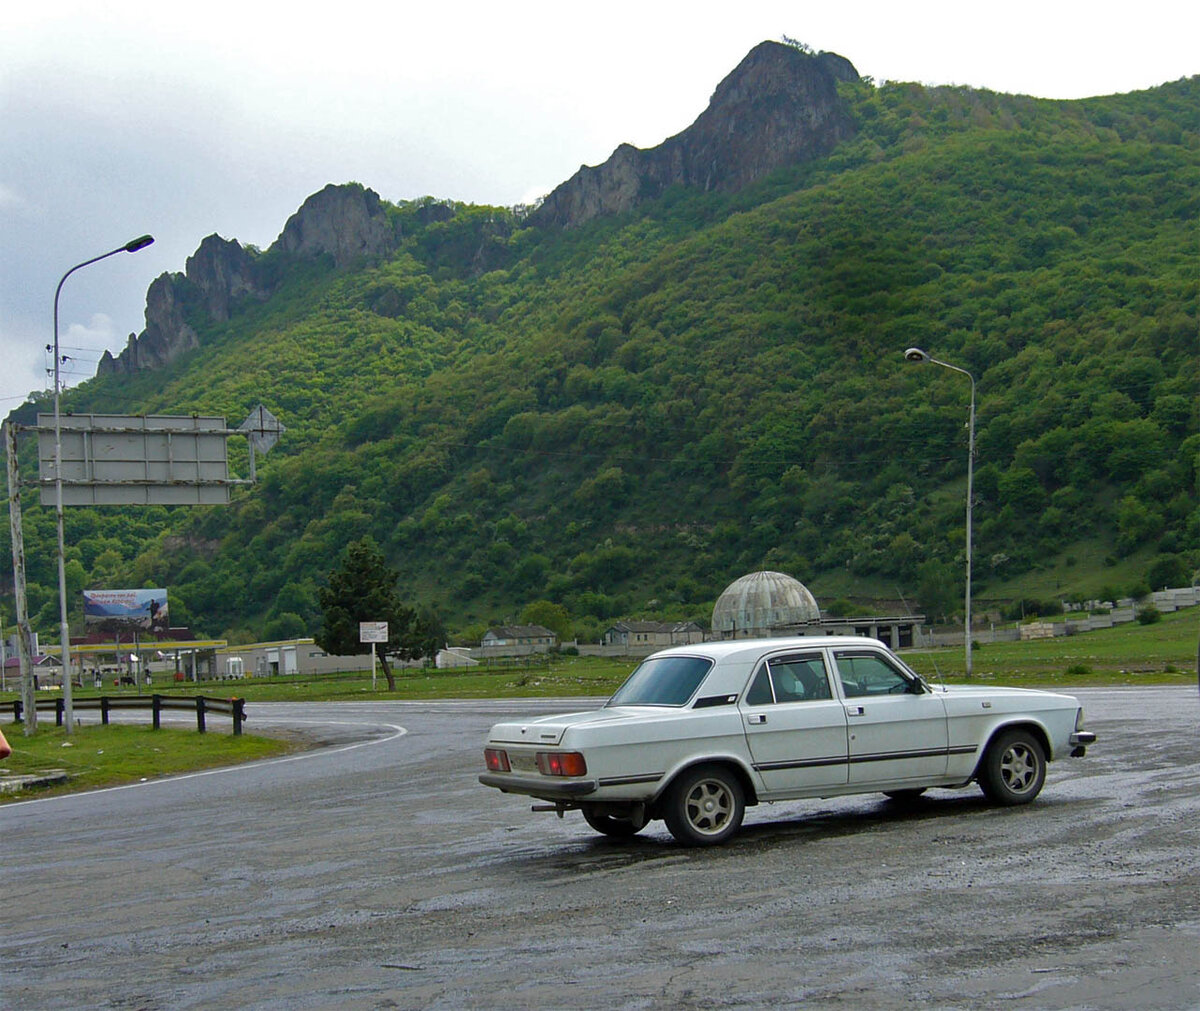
(15, 784)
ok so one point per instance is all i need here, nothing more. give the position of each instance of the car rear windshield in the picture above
(662, 681)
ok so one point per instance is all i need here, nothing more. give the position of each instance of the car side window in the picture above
(760, 689)
(790, 679)
(868, 674)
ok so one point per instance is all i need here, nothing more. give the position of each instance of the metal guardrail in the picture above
(203, 705)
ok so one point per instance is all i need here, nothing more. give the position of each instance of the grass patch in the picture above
(98, 756)
(1129, 654)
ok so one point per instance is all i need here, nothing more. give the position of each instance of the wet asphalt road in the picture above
(375, 873)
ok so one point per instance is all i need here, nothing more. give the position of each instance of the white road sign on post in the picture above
(372, 632)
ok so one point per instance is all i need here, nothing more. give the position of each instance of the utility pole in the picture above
(24, 635)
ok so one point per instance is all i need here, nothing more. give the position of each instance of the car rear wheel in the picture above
(606, 824)
(704, 806)
(1014, 768)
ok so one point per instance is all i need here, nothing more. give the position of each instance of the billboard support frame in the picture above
(261, 429)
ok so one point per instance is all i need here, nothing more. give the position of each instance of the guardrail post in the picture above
(236, 707)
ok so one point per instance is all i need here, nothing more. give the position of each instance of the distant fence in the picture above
(1119, 613)
(235, 708)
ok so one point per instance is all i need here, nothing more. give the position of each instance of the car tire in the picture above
(705, 806)
(606, 824)
(1013, 768)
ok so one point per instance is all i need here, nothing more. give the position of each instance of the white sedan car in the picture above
(699, 732)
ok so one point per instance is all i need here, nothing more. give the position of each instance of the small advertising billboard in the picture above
(126, 610)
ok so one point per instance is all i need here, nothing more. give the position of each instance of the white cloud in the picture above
(97, 333)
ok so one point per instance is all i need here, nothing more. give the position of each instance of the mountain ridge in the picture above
(778, 106)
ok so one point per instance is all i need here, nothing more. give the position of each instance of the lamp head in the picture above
(141, 242)
(915, 355)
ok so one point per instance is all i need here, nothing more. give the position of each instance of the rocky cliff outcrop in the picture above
(167, 334)
(219, 274)
(344, 222)
(224, 273)
(779, 106)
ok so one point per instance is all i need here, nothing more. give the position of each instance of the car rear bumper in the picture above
(540, 786)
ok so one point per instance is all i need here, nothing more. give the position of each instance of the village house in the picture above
(638, 635)
(517, 640)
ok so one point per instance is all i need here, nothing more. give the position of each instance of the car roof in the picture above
(748, 649)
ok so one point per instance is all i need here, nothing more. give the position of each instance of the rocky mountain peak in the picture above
(346, 222)
(219, 273)
(779, 106)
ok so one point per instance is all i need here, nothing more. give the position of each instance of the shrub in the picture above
(840, 608)
(1029, 608)
(1079, 670)
(1168, 570)
(1148, 615)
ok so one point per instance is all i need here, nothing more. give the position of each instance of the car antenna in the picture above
(909, 613)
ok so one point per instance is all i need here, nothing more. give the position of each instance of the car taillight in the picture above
(561, 763)
(496, 759)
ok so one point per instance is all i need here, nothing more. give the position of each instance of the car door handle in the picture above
(854, 710)
(757, 718)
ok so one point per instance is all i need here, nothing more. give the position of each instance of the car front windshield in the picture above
(662, 681)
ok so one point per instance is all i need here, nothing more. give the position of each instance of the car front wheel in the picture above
(705, 806)
(1013, 769)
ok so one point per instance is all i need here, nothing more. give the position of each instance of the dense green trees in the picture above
(622, 418)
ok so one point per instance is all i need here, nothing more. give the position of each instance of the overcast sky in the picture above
(181, 120)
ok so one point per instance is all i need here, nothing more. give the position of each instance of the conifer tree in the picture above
(363, 588)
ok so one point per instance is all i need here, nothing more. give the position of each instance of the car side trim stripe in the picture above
(652, 777)
(891, 756)
(808, 763)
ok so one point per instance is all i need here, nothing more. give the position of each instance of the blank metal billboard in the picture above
(110, 459)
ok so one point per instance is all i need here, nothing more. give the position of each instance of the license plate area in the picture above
(522, 762)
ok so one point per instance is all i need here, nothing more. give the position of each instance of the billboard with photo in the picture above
(126, 610)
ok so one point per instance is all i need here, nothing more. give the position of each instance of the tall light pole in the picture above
(920, 357)
(141, 242)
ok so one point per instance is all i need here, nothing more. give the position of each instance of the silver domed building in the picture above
(763, 604)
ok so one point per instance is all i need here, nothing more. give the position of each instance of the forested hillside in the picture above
(623, 417)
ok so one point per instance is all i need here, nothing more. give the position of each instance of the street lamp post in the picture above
(918, 356)
(141, 242)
